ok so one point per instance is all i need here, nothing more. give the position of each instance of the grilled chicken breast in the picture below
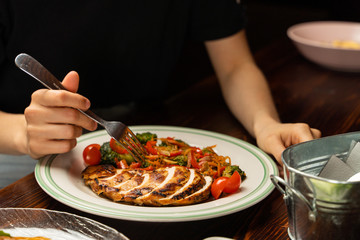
(175, 185)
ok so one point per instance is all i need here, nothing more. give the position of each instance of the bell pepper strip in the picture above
(122, 164)
(135, 165)
(174, 142)
(116, 147)
(149, 146)
(192, 160)
(175, 153)
(149, 168)
(171, 162)
(163, 152)
(152, 157)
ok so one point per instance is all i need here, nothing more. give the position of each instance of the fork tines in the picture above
(132, 144)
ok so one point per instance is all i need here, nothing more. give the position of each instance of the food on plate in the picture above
(226, 185)
(23, 238)
(175, 185)
(173, 172)
(91, 154)
(6, 236)
(347, 44)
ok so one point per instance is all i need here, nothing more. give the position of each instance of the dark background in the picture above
(268, 20)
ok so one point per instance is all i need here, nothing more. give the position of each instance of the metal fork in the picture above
(117, 130)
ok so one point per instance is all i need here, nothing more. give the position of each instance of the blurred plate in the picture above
(332, 44)
(32, 222)
(61, 178)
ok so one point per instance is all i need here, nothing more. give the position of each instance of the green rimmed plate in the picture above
(60, 177)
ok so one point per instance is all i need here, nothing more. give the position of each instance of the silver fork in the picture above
(117, 130)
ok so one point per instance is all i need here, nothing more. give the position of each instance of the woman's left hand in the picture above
(276, 137)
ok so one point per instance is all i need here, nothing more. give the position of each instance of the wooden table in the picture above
(303, 92)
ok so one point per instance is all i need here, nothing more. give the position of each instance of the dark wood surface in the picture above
(303, 92)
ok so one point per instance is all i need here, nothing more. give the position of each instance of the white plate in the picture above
(61, 178)
(32, 222)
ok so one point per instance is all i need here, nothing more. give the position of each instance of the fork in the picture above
(117, 130)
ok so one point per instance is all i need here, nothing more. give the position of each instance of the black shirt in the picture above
(114, 45)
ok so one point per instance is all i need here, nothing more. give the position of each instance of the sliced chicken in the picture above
(160, 187)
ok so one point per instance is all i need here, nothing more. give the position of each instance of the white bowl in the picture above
(316, 41)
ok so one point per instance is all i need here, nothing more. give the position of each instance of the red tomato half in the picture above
(92, 155)
(218, 186)
(233, 183)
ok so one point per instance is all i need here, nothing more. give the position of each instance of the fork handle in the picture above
(35, 69)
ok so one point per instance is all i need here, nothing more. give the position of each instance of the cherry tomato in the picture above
(116, 147)
(218, 186)
(86, 150)
(233, 183)
(92, 155)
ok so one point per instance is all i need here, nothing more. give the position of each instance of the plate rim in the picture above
(258, 194)
(50, 213)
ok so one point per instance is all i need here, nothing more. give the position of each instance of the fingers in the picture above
(44, 147)
(299, 132)
(276, 138)
(53, 121)
(275, 146)
(58, 107)
(59, 98)
(276, 149)
(45, 138)
(51, 139)
(316, 133)
(57, 131)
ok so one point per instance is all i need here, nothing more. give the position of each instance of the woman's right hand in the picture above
(52, 121)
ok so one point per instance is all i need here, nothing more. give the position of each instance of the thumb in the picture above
(71, 81)
(277, 152)
(275, 147)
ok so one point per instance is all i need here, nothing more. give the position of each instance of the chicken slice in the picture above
(198, 196)
(175, 185)
(176, 178)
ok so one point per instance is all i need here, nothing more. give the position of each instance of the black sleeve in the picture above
(4, 28)
(214, 19)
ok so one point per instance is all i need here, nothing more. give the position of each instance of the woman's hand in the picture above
(275, 137)
(52, 121)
